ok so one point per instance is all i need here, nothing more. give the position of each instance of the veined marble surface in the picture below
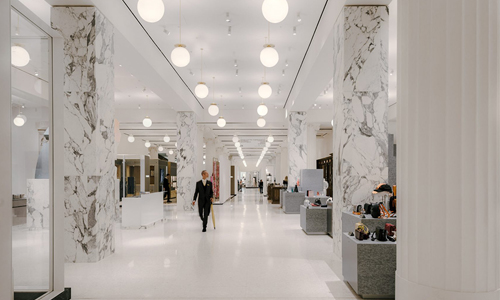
(186, 159)
(89, 160)
(360, 145)
(37, 203)
(297, 146)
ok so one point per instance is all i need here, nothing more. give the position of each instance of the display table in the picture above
(313, 220)
(349, 221)
(292, 202)
(369, 267)
(142, 211)
(275, 192)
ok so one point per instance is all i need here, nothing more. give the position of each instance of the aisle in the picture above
(256, 252)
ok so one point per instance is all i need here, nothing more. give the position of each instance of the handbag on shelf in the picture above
(380, 235)
(390, 228)
(361, 231)
(375, 210)
(368, 208)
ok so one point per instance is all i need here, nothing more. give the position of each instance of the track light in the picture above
(294, 30)
(299, 19)
(283, 73)
(236, 72)
(229, 30)
(227, 18)
(235, 63)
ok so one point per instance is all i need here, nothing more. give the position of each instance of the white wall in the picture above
(324, 146)
(225, 177)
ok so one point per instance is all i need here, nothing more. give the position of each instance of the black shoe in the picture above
(169, 201)
(204, 230)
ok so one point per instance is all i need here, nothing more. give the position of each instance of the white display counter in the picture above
(143, 211)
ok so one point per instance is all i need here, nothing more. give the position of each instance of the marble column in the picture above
(210, 154)
(360, 109)
(199, 151)
(89, 142)
(297, 146)
(448, 150)
(312, 131)
(186, 159)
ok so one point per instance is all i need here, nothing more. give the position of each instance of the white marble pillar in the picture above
(210, 154)
(89, 157)
(312, 131)
(284, 163)
(199, 150)
(360, 109)
(297, 146)
(448, 150)
(186, 159)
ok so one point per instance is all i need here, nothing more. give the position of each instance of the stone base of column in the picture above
(408, 290)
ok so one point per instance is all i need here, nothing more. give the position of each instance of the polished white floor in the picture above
(256, 252)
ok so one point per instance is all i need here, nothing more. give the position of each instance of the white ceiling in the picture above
(204, 26)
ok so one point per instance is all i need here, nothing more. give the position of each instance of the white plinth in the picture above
(143, 211)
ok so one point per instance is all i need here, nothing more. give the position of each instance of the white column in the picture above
(284, 163)
(90, 152)
(360, 109)
(448, 150)
(277, 168)
(199, 152)
(312, 130)
(210, 150)
(297, 145)
(186, 159)
(6, 281)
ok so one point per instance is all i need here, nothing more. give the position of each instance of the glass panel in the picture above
(31, 162)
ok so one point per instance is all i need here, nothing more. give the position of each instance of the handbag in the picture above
(368, 208)
(392, 204)
(390, 228)
(361, 231)
(375, 210)
(380, 234)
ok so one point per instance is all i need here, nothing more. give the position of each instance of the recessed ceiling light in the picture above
(120, 65)
(235, 63)
(227, 18)
(229, 30)
(294, 30)
(299, 19)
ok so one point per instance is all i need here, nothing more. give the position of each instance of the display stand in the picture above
(143, 211)
(292, 202)
(313, 220)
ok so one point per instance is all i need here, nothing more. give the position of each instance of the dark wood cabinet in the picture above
(326, 164)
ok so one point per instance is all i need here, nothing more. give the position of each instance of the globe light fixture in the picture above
(261, 122)
(237, 144)
(269, 57)
(19, 56)
(151, 10)
(147, 144)
(213, 110)
(332, 122)
(166, 138)
(175, 144)
(171, 152)
(20, 120)
(235, 139)
(160, 148)
(201, 90)
(268, 144)
(262, 110)
(131, 138)
(275, 11)
(180, 56)
(265, 90)
(270, 139)
(147, 122)
(221, 122)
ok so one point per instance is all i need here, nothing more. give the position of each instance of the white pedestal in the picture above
(143, 211)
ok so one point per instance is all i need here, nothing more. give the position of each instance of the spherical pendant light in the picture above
(20, 120)
(261, 122)
(171, 152)
(147, 144)
(270, 139)
(269, 57)
(147, 122)
(262, 110)
(131, 138)
(237, 144)
(265, 90)
(19, 56)
(166, 139)
(213, 110)
(275, 11)
(160, 148)
(221, 122)
(175, 144)
(332, 122)
(268, 144)
(235, 139)
(201, 90)
(180, 56)
(151, 10)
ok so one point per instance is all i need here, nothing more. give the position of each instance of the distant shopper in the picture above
(205, 199)
(261, 186)
(166, 188)
(285, 182)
